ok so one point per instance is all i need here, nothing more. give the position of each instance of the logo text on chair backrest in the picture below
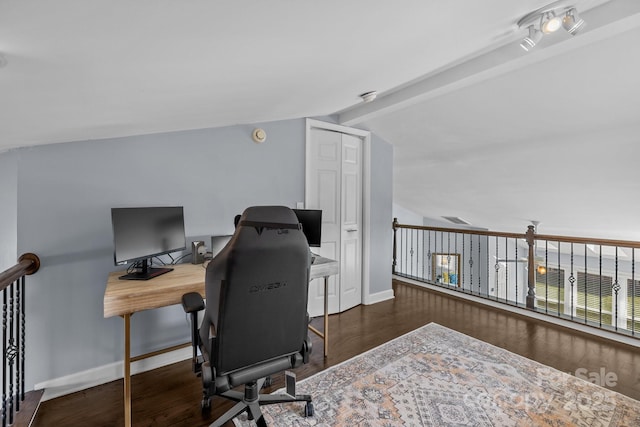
(267, 287)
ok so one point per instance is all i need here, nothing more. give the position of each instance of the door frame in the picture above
(366, 188)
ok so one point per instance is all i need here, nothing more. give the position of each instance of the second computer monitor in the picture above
(311, 220)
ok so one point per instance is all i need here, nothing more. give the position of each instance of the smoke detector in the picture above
(369, 96)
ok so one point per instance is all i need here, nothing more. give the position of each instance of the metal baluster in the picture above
(616, 289)
(586, 286)
(479, 275)
(422, 256)
(477, 262)
(600, 287)
(506, 269)
(515, 244)
(572, 280)
(416, 251)
(411, 255)
(18, 345)
(546, 279)
(463, 268)
(633, 291)
(487, 249)
(470, 262)
(441, 251)
(448, 258)
(455, 248)
(587, 290)
(560, 284)
(4, 356)
(429, 256)
(497, 269)
(11, 353)
(406, 252)
(23, 331)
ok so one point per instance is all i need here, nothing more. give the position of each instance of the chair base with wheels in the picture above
(249, 401)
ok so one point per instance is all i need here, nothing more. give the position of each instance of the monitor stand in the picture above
(145, 272)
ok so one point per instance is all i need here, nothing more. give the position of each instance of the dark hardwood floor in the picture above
(170, 396)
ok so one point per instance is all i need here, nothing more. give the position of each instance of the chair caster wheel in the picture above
(205, 405)
(308, 409)
(268, 382)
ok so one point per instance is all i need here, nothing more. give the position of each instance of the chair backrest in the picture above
(260, 281)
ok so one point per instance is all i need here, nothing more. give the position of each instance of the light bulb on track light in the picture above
(572, 22)
(531, 40)
(550, 23)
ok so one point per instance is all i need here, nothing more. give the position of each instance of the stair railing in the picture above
(592, 281)
(12, 283)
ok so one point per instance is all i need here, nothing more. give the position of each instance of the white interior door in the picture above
(335, 185)
(324, 176)
(350, 290)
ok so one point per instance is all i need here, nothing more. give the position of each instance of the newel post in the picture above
(395, 228)
(531, 294)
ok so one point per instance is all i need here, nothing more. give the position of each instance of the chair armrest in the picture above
(192, 302)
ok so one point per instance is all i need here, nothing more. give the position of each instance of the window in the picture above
(550, 290)
(633, 305)
(594, 297)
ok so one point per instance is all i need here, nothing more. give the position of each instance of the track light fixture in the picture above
(549, 19)
(572, 22)
(532, 39)
(550, 23)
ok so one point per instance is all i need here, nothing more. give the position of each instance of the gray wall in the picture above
(381, 215)
(8, 209)
(65, 192)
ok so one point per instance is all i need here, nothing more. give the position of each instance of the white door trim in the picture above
(366, 189)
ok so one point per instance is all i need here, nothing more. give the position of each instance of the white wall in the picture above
(381, 215)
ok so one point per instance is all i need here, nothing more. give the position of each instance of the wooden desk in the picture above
(125, 297)
(324, 267)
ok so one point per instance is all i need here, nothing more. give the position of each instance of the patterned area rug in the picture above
(435, 376)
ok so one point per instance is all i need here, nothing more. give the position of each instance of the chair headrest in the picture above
(270, 217)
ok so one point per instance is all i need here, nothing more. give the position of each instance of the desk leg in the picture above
(324, 334)
(326, 316)
(127, 370)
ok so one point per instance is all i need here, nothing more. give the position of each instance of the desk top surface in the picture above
(322, 267)
(129, 296)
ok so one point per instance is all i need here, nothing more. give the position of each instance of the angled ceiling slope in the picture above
(505, 137)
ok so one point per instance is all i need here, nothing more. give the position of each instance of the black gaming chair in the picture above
(255, 321)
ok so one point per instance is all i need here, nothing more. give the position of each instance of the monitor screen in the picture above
(142, 233)
(311, 220)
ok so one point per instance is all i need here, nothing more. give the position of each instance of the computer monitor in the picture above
(311, 220)
(145, 232)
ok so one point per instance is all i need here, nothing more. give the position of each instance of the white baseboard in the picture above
(379, 297)
(78, 381)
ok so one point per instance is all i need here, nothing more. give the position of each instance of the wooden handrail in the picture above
(461, 231)
(28, 264)
(548, 237)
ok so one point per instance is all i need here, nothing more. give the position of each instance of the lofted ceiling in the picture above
(481, 130)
